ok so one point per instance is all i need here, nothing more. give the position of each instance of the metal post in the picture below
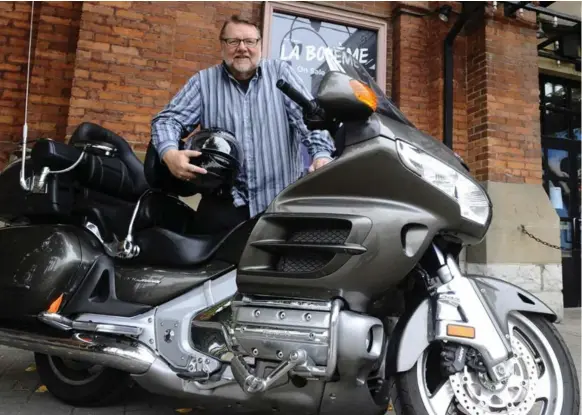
(468, 9)
(448, 78)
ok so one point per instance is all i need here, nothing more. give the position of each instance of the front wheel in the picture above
(81, 384)
(544, 379)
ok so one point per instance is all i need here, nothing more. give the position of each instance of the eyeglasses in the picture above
(249, 42)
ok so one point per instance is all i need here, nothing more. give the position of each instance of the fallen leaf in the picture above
(31, 368)
(41, 389)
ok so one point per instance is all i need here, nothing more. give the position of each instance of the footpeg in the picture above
(253, 384)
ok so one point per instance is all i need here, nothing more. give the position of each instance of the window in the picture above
(560, 122)
(300, 33)
(560, 115)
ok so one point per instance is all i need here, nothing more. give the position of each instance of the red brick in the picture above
(122, 88)
(99, 76)
(130, 15)
(128, 33)
(7, 6)
(79, 93)
(55, 20)
(113, 40)
(98, 9)
(9, 67)
(144, 119)
(97, 46)
(111, 96)
(81, 83)
(124, 50)
(17, 15)
(120, 4)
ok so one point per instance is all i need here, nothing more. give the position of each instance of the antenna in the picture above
(25, 127)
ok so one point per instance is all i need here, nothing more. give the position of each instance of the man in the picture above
(241, 96)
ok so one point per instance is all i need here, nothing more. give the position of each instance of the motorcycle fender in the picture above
(411, 334)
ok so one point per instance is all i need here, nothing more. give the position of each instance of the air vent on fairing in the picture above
(305, 246)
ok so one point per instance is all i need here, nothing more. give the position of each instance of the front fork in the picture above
(461, 315)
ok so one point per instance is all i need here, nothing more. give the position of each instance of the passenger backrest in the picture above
(120, 175)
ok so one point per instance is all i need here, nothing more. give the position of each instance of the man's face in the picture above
(241, 57)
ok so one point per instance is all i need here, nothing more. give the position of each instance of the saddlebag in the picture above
(39, 263)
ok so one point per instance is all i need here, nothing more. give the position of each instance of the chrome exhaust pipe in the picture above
(122, 354)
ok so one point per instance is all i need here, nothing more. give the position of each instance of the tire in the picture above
(73, 383)
(407, 396)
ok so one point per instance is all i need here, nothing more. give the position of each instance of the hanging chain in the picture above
(535, 238)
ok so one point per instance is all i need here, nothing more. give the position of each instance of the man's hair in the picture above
(237, 19)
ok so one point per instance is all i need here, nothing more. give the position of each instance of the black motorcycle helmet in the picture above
(221, 157)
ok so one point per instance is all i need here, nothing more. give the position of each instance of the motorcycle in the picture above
(344, 295)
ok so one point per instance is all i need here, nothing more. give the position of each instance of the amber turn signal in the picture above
(54, 307)
(364, 94)
(461, 331)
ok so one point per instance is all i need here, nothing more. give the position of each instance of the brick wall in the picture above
(53, 50)
(118, 63)
(54, 63)
(503, 111)
(418, 80)
(132, 57)
(14, 29)
(411, 72)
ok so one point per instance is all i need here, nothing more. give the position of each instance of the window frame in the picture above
(332, 15)
(568, 111)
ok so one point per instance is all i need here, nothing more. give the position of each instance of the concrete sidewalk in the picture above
(22, 394)
(569, 328)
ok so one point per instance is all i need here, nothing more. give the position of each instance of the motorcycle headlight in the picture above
(472, 199)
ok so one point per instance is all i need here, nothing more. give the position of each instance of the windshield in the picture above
(339, 60)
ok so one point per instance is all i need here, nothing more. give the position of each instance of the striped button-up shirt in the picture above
(268, 124)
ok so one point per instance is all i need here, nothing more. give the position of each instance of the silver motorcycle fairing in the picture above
(408, 342)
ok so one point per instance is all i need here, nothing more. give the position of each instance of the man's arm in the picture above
(318, 142)
(178, 119)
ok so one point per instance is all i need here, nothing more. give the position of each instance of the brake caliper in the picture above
(456, 356)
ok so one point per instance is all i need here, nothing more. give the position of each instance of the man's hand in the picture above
(178, 161)
(318, 163)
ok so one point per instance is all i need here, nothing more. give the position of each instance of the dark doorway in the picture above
(560, 126)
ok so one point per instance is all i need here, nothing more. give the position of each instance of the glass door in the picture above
(560, 124)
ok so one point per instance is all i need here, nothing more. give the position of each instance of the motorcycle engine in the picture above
(309, 339)
(273, 330)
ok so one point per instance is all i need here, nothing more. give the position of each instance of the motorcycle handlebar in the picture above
(295, 95)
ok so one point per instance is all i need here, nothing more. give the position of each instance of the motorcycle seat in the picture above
(163, 247)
